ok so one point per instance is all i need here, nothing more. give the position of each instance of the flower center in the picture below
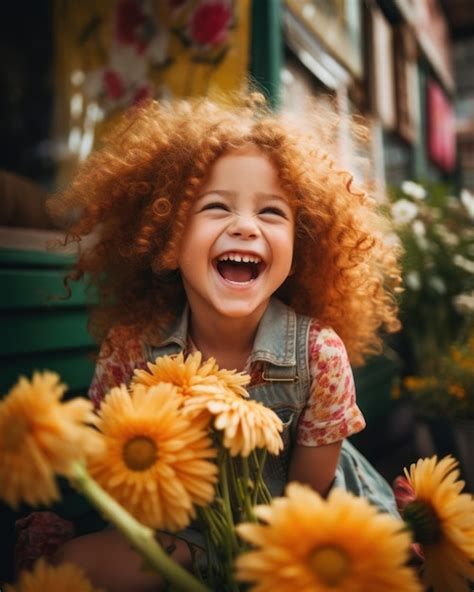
(423, 521)
(331, 565)
(140, 453)
(14, 434)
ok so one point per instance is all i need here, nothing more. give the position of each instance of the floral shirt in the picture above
(331, 413)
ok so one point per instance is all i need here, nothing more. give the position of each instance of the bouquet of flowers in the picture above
(437, 234)
(182, 443)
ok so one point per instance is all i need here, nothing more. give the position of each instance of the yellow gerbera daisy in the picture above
(190, 376)
(443, 522)
(342, 544)
(246, 424)
(46, 578)
(40, 436)
(155, 462)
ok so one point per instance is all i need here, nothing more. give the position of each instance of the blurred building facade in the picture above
(461, 19)
(404, 64)
(390, 60)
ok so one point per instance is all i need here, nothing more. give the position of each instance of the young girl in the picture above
(232, 232)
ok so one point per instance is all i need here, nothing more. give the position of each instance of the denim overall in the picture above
(281, 344)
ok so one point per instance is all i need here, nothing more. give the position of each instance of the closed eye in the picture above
(215, 205)
(274, 211)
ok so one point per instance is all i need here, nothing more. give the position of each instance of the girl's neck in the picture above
(229, 341)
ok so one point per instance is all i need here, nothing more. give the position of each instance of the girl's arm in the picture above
(331, 413)
(315, 465)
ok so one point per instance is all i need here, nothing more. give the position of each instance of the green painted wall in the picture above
(267, 48)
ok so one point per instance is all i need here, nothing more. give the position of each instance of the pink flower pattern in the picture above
(131, 24)
(209, 23)
(113, 84)
(331, 413)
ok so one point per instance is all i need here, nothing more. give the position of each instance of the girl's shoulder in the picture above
(323, 341)
(121, 341)
(122, 351)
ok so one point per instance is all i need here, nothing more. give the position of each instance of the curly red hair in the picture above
(135, 193)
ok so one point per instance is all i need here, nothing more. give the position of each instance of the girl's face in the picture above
(237, 247)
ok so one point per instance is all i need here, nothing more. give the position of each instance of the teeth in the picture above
(240, 258)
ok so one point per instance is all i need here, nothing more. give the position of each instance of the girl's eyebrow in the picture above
(221, 192)
(232, 194)
(272, 196)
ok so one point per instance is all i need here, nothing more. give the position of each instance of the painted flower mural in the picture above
(113, 55)
(209, 23)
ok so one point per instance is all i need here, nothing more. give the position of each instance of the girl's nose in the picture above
(244, 227)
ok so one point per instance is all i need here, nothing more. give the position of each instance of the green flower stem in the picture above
(260, 485)
(210, 558)
(233, 476)
(226, 498)
(246, 497)
(210, 517)
(222, 513)
(218, 513)
(223, 553)
(236, 486)
(141, 537)
(257, 467)
(217, 542)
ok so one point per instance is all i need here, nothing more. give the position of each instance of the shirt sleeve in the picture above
(119, 355)
(331, 413)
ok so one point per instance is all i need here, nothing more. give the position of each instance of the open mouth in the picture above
(239, 269)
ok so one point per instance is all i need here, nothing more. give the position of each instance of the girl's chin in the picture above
(241, 304)
(241, 312)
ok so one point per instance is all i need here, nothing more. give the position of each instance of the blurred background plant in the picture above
(449, 390)
(436, 230)
(436, 344)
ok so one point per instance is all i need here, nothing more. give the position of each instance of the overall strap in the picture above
(303, 324)
(292, 380)
(272, 373)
